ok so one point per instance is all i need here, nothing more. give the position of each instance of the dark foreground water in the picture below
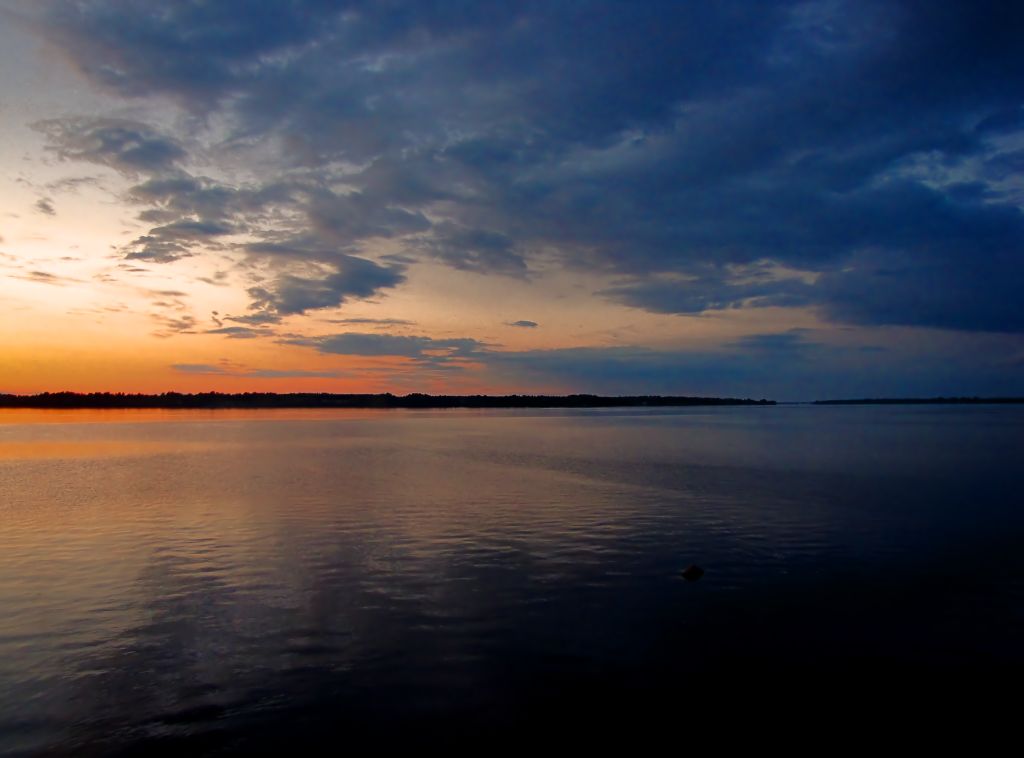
(220, 582)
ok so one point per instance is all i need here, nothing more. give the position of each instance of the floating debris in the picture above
(692, 573)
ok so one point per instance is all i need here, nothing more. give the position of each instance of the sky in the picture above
(795, 200)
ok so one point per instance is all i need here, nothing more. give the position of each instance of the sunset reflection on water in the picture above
(213, 579)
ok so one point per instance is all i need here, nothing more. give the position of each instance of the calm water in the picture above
(222, 581)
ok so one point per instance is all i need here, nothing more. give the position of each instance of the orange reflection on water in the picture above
(45, 449)
(147, 415)
(48, 434)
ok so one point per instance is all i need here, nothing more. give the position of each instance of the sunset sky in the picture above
(791, 200)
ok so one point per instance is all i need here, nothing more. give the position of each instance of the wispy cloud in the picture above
(239, 332)
(371, 321)
(127, 146)
(46, 277)
(424, 350)
(212, 370)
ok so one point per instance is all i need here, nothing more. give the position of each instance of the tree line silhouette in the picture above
(330, 400)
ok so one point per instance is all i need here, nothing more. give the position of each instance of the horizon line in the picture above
(69, 399)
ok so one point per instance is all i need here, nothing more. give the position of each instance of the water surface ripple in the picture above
(215, 582)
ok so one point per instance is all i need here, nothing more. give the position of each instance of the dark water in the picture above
(204, 582)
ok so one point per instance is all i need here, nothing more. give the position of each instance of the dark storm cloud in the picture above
(681, 147)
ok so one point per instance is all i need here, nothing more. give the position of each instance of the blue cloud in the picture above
(682, 147)
(349, 277)
(788, 366)
(127, 146)
(425, 350)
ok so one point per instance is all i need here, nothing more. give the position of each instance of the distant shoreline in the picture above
(925, 401)
(214, 400)
(172, 400)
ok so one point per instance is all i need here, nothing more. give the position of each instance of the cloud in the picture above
(797, 364)
(524, 324)
(198, 51)
(711, 290)
(45, 277)
(171, 313)
(345, 218)
(171, 323)
(238, 332)
(170, 242)
(291, 374)
(198, 368)
(791, 343)
(615, 369)
(179, 195)
(45, 206)
(72, 184)
(126, 146)
(424, 350)
(473, 249)
(350, 277)
(298, 231)
(938, 290)
(210, 370)
(787, 366)
(373, 321)
(260, 318)
(871, 148)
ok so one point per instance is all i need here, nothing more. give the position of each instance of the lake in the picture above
(218, 582)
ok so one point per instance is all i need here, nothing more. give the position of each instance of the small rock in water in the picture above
(692, 572)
